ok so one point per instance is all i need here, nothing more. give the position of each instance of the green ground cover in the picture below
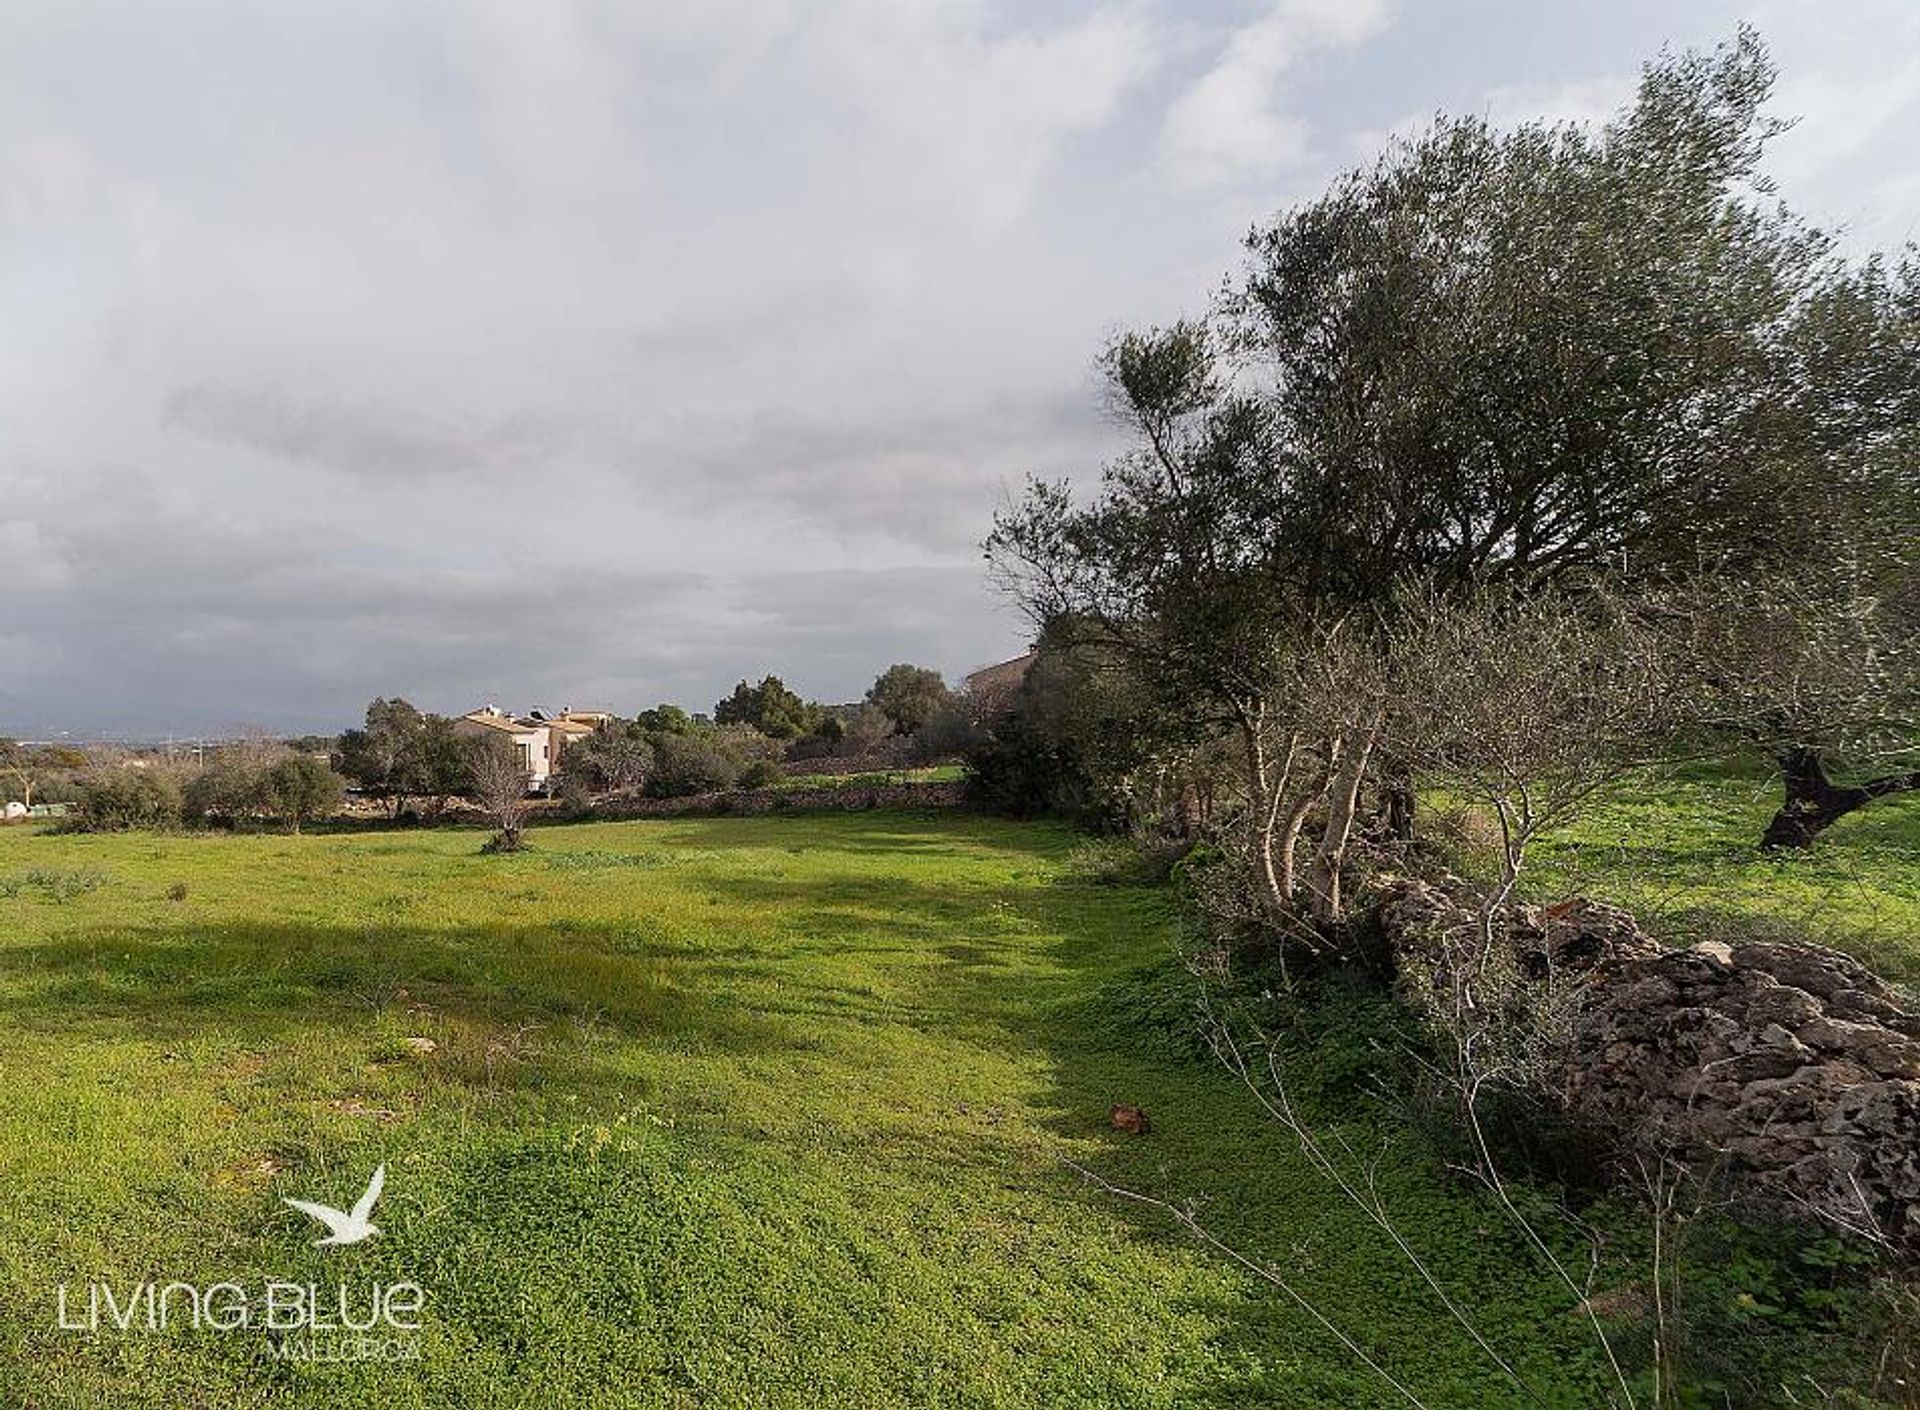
(717, 1112)
(1678, 848)
(932, 773)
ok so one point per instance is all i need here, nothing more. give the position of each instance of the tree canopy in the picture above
(1495, 356)
(908, 695)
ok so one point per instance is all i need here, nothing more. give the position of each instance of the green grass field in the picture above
(1679, 850)
(721, 1112)
(931, 773)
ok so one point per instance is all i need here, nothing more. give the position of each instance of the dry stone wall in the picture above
(1791, 1068)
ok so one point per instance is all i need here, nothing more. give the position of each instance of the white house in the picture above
(534, 739)
(541, 738)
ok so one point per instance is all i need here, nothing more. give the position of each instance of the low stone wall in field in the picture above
(780, 800)
(830, 766)
(1791, 1068)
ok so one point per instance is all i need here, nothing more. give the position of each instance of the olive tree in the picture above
(499, 781)
(299, 789)
(1526, 359)
(1822, 676)
(909, 695)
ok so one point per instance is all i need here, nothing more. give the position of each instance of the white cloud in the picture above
(1230, 125)
(1587, 101)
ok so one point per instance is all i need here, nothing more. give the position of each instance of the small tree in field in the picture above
(499, 779)
(909, 696)
(300, 789)
(26, 768)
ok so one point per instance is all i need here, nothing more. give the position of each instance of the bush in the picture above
(289, 788)
(119, 800)
(747, 747)
(1016, 771)
(685, 764)
(226, 791)
(948, 734)
(298, 789)
(761, 773)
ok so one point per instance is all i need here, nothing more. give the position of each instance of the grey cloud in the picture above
(922, 476)
(610, 352)
(370, 439)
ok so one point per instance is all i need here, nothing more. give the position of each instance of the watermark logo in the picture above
(348, 1227)
(305, 1321)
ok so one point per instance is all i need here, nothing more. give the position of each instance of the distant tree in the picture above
(383, 757)
(613, 759)
(403, 754)
(299, 789)
(663, 719)
(1819, 677)
(909, 696)
(866, 730)
(686, 764)
(948, 734)
(823, 740)
(769, 707)
(119, 799)
(227, 790)
(438, 765)
(499, 783)
(1075, 738)
(26, 768)
(756, 758)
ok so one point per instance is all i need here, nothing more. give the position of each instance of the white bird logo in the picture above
(345, 1228)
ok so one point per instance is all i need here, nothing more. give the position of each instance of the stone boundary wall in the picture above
(1790, 1068)
(840, 799)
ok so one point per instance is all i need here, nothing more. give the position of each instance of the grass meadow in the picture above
(720, 1112)
(1678, 849)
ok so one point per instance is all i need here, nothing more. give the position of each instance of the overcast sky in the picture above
(556, 352)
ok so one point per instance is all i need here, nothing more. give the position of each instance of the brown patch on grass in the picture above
(249, 1174)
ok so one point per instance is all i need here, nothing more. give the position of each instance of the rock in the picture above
(1792, 1068)
(1782, 1004)
(422, 1046)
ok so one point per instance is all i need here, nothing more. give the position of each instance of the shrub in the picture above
(761, 773)
(52, 884)
(947, 734)
(226, 791)
(289, 788)
(118, 800)
(1017, 771)
(298, 789)
(685, 764)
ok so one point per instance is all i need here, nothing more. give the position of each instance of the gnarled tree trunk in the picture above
(1814, 802)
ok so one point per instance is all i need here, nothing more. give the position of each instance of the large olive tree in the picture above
(1517, 359)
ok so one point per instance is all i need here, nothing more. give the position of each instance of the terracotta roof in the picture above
(1010, 670)
(500, 722)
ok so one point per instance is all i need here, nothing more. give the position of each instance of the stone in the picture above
(1793, 1068)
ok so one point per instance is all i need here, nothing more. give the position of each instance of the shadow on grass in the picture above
(259, 980)
(1043, 974)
